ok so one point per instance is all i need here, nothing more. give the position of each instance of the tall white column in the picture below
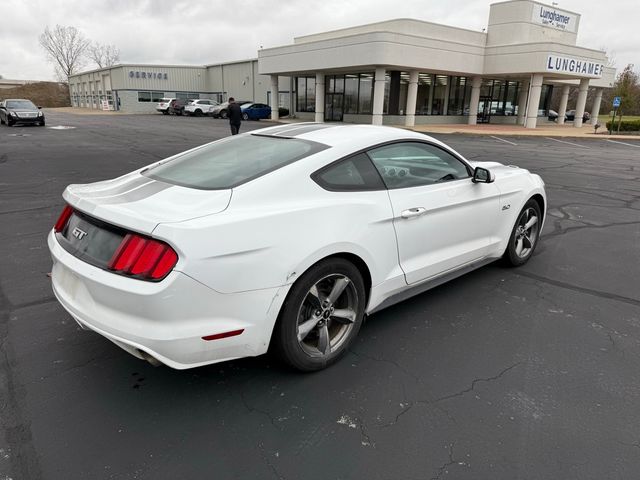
(563, 104)
(412, 97)
(275, 114)
(583, 89)
(522, 102)
(534, 100)
(378, 97)
(595, 108)
(319, 97)
(476, 83)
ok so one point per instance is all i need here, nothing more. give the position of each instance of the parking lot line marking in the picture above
(622, 143)
(568, 143)
(503, 140)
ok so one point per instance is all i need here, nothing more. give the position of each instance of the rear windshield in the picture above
(230, 162)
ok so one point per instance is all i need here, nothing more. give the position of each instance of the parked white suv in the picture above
(198, 107)
(163, 105)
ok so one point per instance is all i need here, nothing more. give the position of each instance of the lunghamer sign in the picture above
(558, 19)
(580, 68)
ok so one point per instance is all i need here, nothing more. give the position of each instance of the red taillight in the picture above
(63, 219)
(218, 336)
(143, 257)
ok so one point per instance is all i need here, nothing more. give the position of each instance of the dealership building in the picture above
(397, 72)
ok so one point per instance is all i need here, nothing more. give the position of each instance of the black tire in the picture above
(42, 123)
(165, 112)
(523, 240)
(223, 114)
(9, 122)
(245, 116)
(198, 113)
(302, 306)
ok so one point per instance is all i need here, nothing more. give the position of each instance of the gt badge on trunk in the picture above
(78, 233)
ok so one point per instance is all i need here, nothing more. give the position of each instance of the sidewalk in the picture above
(544, 130)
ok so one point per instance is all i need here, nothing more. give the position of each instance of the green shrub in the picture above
(625, 126)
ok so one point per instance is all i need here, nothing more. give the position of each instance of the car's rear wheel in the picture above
(245, 116)
(321, 315)
(198, 112)
(525, 234)
(223, 114)
(165, 112)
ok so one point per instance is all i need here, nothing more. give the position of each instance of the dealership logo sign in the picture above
(148, 75)
(558, 19)
(583, 68)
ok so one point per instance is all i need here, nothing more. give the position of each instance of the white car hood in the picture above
(140, 203)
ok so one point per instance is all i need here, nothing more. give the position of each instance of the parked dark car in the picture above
(255, 111)
(571, 115)
(19, 110)
(176, 107)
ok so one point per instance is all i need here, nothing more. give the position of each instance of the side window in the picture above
(355, 173)
(412, 164)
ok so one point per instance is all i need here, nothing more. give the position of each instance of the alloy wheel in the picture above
(526, 234)
(327, 315)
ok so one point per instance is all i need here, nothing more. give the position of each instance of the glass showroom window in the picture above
(144, 96)
(425, 83)
(439, 95)
(365, 93)
(306, 94)
(351, 85)
(545, 99)
(511, 98)
(157, 96)
(459, 95)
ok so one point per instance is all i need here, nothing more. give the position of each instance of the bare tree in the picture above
(66, 48)
(104, 55)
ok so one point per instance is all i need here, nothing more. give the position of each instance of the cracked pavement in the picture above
(503, 373)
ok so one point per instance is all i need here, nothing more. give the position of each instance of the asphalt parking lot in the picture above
(529, 373)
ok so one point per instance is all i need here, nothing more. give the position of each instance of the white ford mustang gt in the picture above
(285, 236)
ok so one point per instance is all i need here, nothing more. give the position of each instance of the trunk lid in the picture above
(139, 203)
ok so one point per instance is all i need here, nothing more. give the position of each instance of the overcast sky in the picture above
(210, 31)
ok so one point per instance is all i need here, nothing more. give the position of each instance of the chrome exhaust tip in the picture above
(150, 358)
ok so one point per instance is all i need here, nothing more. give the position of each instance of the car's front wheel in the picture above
(223, 114)
(525, 234)
(245, 116)
(321, 315)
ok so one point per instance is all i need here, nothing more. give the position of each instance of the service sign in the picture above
(575, 66)
(554, 18)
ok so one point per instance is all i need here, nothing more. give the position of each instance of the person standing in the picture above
(235, 116)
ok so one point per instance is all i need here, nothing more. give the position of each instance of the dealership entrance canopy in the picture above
(408, 72)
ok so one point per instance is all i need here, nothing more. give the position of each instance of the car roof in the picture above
(342, 135)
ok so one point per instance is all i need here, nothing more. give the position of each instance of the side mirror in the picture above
(482, 175)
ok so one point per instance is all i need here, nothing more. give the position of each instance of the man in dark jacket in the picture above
(235, 116)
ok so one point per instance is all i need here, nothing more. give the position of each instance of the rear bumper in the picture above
(167, 319)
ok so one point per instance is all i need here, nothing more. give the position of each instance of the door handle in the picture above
(413, 212)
